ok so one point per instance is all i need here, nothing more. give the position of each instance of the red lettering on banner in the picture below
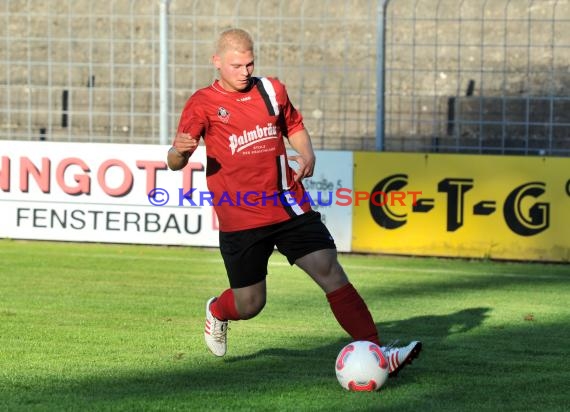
(27, 168)
(83, 181)
(5, 174)
(215, 221)
(127, 184)
(73, 175)
(188, 174)
(151, 167)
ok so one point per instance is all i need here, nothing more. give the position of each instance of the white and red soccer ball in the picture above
(361, 366)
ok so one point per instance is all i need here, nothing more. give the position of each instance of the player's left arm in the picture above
(297, 135)
(300, 141)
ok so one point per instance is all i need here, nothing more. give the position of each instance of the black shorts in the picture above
(246, 252)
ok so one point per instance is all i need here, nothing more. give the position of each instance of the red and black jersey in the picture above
(247, 169)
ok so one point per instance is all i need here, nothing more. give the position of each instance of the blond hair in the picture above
(234, 39)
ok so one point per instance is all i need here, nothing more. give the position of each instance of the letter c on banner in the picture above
(379, 210)
(568, 187)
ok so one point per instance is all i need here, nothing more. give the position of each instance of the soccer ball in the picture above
(361, 366)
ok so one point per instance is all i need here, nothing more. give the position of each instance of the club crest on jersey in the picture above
(223, 114)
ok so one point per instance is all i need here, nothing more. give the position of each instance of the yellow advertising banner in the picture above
(500, 207)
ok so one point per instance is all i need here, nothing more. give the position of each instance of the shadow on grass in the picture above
(425, 286)
(436, 328)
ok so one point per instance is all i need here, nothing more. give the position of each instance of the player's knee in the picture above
(250, 307)
(331, 277)
(333, 272)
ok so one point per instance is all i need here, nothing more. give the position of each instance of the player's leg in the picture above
(240, 303)
(232, 304)
(307, 243)
(311, 252)
(323, 267)
(245, 255)
(347, 305)
(349, 308)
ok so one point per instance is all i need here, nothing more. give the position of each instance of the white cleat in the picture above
(400, 357)
(215, 332)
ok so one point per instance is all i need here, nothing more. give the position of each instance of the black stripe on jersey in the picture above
(265, 97)
(282, 199)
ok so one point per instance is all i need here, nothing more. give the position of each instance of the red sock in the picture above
(224, 307)
(352, 314)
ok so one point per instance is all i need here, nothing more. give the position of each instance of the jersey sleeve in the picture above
(193, 120)
(292, 117)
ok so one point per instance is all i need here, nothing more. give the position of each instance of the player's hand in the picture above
(306, 166)
(185, 143)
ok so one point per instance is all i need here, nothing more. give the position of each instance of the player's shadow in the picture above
(430, 329)
(434, 328)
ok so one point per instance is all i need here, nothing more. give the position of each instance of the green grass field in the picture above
(120, 327)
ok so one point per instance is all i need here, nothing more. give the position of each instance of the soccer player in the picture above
(243, 121)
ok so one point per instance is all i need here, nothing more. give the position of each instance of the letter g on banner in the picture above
(379, 210)
(537, 218)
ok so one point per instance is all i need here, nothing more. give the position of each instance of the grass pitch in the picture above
(89, 327)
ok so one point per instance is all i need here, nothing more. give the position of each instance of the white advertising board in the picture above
(99, 192)
(329, 188)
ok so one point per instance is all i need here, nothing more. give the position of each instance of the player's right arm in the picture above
(182, 147)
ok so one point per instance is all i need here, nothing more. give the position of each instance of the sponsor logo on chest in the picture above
(248, 138)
